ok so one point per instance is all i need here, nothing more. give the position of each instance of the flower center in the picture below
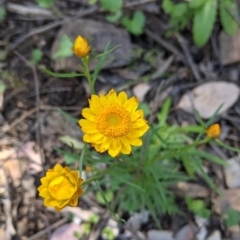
(113, 121)
(61, 188)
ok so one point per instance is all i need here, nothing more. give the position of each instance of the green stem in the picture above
(87, 74)
(97, 177)
(81, 159)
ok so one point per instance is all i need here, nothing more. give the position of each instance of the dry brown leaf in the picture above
(207, 98)
(140, 90)
(13, 169)
(31, 151)
(230, 198)
(11, 165)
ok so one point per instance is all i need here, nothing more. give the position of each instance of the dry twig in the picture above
(187, 53)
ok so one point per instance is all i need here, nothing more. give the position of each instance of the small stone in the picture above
(187, 232)
(98, 35)
(159, 235)
(215, 236)
(135, 221)
(232, 172)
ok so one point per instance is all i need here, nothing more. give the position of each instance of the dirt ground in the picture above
(31, 125)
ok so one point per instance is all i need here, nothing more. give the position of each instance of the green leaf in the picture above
(70, 141)
(198, 207)
(179, 10)
(114, 17)
(36, 56)
(70, 158)
(67, 116)
(136, 24)
(112, 6)
(108, 195)
(145, 107)
(167, 6)
(203, 22)
(196, 3)
(100, 62)
(45, 3)
(2, 87)
(64, 49)
(162, 116)
(227, 10)
(233, 218)
(2, 13)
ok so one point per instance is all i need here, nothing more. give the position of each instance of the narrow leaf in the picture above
(227, 9)
(203, 22)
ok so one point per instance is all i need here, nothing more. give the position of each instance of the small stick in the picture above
(18, 120)
(51, 227)
(164, 43)
(187, 53)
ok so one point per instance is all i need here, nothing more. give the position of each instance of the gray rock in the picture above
(159, 235)
(232, 172)
(98, 35)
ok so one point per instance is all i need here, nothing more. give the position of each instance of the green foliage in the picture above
(228, 9)
(112, 6)
(108, 195)
(65, 48)
(136, 24)
(203, 22)
(108, 233)
(198, 207)
(37, 55)
(2, 87)
(203, 14)
(45, 3)
(2, 13)
(233, 218)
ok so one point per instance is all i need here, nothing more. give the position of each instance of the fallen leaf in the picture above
(230, 198)
(192, 190)
(31, 151)
(208, 97)
(12, 165)
(13, 169)
(28, 183)
(140, 90)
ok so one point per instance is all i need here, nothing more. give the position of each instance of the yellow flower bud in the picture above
(214, 131)
(81, 47)
(60, 187)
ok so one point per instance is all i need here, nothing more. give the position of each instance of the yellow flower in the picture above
(113, 123)
(81, 47)
(88, 169)
(214, 131)
(60, 187)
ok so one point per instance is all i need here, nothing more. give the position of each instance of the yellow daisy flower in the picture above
(81, 47)
(213, 131)
(113, 123)
(60, 187)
